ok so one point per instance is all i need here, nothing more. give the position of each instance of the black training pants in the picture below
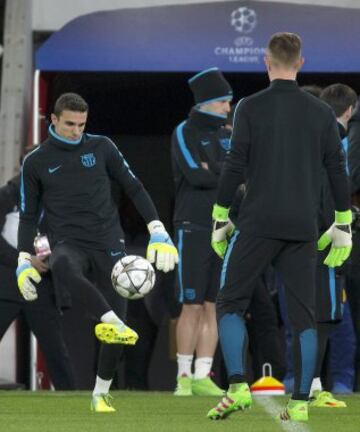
(86, 274)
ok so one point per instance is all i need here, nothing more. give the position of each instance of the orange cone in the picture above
(267, 385)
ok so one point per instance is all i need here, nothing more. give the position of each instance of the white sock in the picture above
(110, 318)
(184, 362)
(101, 386)
(202, 367)
(315, 385)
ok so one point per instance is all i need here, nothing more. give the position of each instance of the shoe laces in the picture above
(107, 398)
(284, 415)
(224, 404)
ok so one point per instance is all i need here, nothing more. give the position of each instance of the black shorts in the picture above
(330, 292)
(246, 259)
(86, 273)
(198, 271)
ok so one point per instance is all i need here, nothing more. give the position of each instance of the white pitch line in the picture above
(273, 409)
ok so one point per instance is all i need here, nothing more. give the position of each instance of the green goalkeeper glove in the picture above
(161, 250)
(339, 235)
(222, 230)
(26, 275)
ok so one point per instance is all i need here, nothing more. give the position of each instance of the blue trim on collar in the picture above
(202, 73)
(62, 139)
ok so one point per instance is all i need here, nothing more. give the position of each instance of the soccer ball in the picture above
(133, 277)
(244, 19)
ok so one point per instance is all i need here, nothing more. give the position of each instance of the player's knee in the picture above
(60, 265)
(193, 309)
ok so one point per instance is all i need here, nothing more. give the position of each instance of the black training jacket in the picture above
(354, 151)
(201, 138)
(71, 183)
(9, 201)
(327, 205)
(283, 138)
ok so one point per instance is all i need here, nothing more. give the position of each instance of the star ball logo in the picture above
(244, 21)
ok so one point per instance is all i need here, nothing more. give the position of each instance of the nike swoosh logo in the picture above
(52, 170)
(115, 253)
(204, 143)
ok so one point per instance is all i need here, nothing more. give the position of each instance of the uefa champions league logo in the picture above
(244, 49)
(244, 20)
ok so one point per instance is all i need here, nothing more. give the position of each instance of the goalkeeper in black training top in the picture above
(283, 138)
(68, 177)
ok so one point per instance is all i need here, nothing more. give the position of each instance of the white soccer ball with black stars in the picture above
(244, 19)
(133, 277)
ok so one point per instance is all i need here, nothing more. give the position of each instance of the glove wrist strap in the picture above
(344, 217)
(220, 213)
(155, 226)
(24, 256)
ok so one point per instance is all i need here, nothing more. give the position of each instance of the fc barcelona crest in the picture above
(88, 160)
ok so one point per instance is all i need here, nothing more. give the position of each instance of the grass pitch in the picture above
(156, 412)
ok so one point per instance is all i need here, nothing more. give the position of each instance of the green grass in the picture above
(151, 412)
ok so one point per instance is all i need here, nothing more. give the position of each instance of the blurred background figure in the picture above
(199, 145)
(43, 316)
(353, 271)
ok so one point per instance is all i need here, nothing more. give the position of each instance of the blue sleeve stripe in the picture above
(237, 106)
(22, 191)
(226, 258)
(180, 234)
(332, 286)
(185, 151)
(121, 155)
(345, 144)
(22, 187)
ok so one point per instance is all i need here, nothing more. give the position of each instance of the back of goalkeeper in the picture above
(279, 151)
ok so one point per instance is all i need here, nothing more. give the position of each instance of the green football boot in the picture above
(117, 333)
(183, 387)
(206, 387)
(238, 397)
(101, 403)
(296, 410)
(324, 399)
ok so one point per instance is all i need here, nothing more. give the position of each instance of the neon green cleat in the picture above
(206, 387)
(183, 387)
(116, 334)
(102, 403)
(323, 399)
(238, 397)
(296, 410)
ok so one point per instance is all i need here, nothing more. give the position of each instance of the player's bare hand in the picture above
(40, 264)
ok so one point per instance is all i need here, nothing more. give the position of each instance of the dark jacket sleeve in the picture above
(188, 158)
(120, 172)
(235, 206)
(9, 198)
(334, 162)
(354, 151)
(29, 205)
(236, 161)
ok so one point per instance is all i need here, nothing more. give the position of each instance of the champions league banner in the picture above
(185, 38)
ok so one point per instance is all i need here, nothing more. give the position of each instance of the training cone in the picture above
(267, 385)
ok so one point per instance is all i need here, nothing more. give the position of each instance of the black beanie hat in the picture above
(210, 85)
